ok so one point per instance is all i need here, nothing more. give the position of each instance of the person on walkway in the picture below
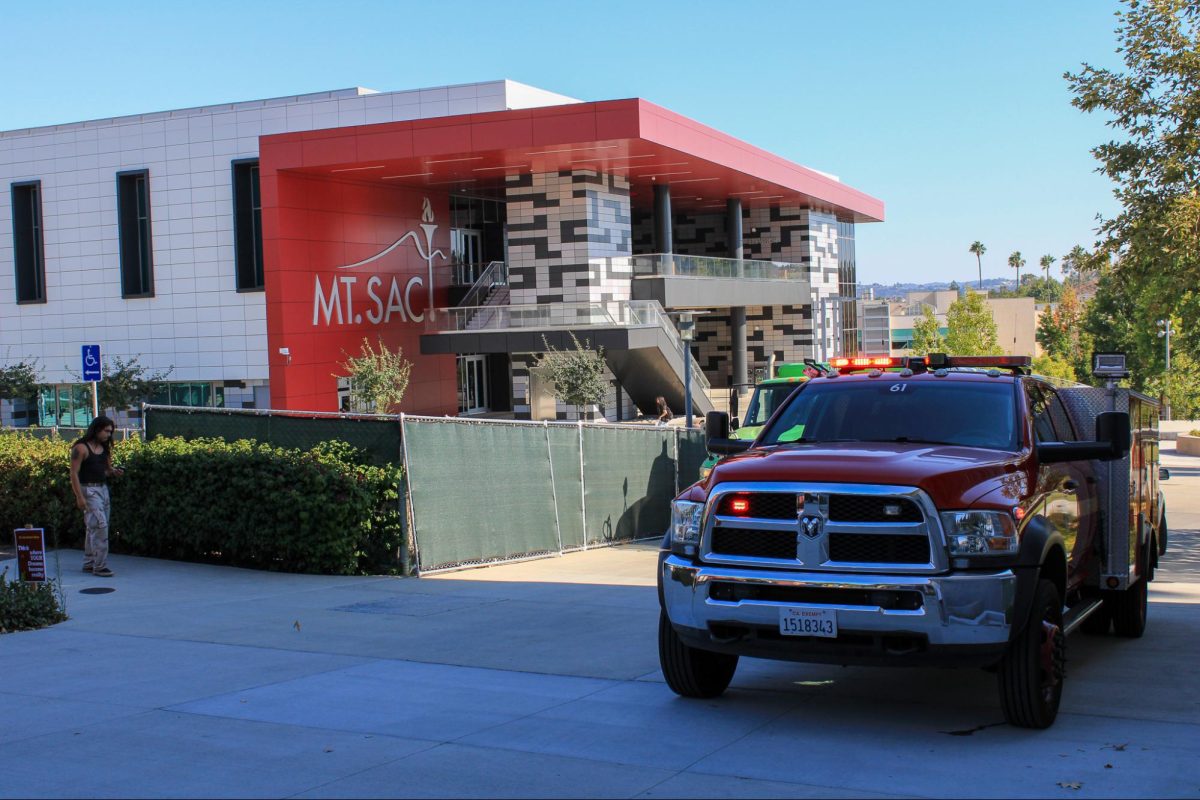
(91, 467)
(663, 410)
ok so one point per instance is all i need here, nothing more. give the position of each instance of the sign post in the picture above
(92, 374)
(31, 554)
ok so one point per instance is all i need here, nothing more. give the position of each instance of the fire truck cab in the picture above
(937, 510)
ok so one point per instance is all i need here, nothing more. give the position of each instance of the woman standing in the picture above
(91, 467)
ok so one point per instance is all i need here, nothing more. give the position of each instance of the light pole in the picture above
(687, 331)
(1165, 333)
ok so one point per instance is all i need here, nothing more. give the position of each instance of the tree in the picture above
(378, 378)
(1074, 264)
(1060, 332)
(954, 287)
(127, 383)
(978, 249)
(970, 328)
(1016, 262)
(1046, 261)
(927, 337)
(1054, 367)
(19, 381)
(579, 375)
(1154, 106)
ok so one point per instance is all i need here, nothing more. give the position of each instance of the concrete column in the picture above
(663, 242)
(737, 314)
(737, 336)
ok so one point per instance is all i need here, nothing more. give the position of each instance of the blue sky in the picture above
(954, 113)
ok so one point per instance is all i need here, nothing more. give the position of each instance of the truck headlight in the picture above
(685, 521)
(979, 533)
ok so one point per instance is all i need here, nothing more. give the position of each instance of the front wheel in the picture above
(691, 672)
(1031, 673)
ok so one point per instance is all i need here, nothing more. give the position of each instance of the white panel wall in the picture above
(196, 323)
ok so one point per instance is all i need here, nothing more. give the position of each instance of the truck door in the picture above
(1063, 484)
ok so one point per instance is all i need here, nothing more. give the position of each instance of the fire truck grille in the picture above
(876, 548)
(763, 505)
(863, 508)
(758, 544)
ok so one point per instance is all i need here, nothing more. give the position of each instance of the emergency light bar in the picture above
(932, 361)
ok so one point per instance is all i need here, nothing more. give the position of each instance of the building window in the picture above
(247, 226)
(28, 251)
(65, 405)
(133, 224)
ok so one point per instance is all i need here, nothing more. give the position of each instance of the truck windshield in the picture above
(969, 414)
(766, 399)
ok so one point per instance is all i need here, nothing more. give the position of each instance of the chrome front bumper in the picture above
(957, 610)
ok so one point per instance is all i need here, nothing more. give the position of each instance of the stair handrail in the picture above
(495, 274)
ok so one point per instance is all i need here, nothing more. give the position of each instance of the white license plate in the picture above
(808, 622)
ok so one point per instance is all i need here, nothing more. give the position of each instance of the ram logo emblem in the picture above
(811, 526)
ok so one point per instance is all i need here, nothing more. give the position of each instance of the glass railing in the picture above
(613, 314)
(658, 265)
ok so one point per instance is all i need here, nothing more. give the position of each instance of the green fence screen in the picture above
(488, 490)
(378, 437)
(479, 492)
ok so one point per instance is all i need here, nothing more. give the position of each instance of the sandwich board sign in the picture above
(31, 554)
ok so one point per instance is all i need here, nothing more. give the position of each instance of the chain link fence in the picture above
(486, 491)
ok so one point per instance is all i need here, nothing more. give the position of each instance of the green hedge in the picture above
(241, 503)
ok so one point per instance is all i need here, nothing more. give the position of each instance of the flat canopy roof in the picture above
(633, 138)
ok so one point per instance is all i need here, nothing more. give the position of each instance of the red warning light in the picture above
(739, 505)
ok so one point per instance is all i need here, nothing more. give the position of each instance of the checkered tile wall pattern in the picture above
(556, 223)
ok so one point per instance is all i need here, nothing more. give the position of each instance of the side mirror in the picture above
(734, 424)
(1113, 441)
(727, 447)
(716, 433)
(1113, 427)
(716, 425)
(734, 405)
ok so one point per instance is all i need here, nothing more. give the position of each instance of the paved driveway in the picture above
(541, 679)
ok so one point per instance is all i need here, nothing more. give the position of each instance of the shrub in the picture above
(26, 606)
(241, 503)
(1194, 432)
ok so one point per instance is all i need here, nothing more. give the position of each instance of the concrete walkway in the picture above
(541, 679)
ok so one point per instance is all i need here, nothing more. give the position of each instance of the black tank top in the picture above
(94, 468)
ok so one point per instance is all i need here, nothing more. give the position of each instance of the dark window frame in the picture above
(240, 269)
(122, 251)
(39, 244)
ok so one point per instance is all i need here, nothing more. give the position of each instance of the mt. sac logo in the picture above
(338, 303)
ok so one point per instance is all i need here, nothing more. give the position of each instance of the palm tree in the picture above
(1046, 261)
(978, 248)
(1016, 262)
(1072, 264)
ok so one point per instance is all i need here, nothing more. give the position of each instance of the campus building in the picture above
(887, 323)
(250, 248)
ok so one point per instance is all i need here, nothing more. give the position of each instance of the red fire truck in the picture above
(935, 510)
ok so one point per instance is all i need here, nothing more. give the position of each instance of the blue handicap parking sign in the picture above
(91, 362)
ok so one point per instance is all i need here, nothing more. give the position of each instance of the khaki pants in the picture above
(95, 516)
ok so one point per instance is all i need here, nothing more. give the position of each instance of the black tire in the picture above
(1099, 623)
(1029, 692)
(691, 672)
(1129, 609)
